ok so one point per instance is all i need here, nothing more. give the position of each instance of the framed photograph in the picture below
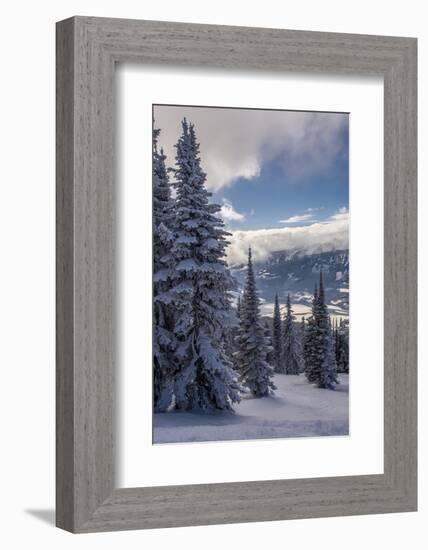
(236, 274)
(234, 283)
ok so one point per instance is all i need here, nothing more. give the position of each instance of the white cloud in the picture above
(341, 214)
(317, 237)
(228, 213)
(297, 219)
(236, 142)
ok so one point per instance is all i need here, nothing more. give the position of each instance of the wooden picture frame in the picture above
(87, 50)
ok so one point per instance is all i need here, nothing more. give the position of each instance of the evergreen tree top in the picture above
(250, 271)
(289, 317)
(189, 171)
(200, 236)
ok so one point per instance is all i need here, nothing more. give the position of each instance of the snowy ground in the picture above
(298, 409)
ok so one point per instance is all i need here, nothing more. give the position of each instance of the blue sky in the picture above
(280, 176)
(270, 198)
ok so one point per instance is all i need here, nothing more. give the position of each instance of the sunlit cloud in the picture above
(237, 143)
(297, 219)
(228, 213)
(331, 234)
(341, 214)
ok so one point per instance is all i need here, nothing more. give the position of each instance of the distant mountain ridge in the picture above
(296, 272)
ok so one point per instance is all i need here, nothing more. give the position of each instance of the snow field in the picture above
(298, 409)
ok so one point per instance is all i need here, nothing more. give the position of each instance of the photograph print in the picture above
(250, 274)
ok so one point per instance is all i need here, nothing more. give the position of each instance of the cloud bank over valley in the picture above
(331, 234)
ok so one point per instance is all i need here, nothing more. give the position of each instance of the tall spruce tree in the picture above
(290, 350)
(323, 369)
(205, 380)
(163, 318)
(336, 339)
(269, 344)
(342, 347)
(277, 337)
(328, 375)
(311, 344)
(255, 371)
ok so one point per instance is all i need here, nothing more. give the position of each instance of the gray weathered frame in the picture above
(87, 50)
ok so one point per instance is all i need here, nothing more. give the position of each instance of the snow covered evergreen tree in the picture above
(311, 344)
(290, 348)
(319, 348)
(255, 371)
(277, 337)
(336, 343)
(205, 380)
(310, 348)
(269, 345)
(342, 347)
(328, 374)
(163, 318)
